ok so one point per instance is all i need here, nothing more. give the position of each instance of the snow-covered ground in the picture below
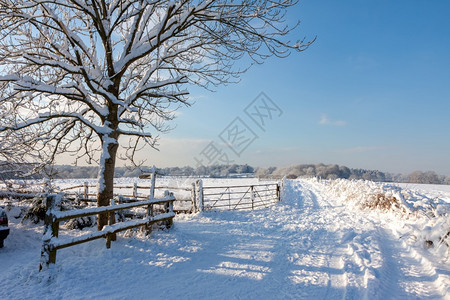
(315, 244)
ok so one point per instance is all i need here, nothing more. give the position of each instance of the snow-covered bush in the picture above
(371, 195)
(80, 223)
(37, 210)
(425, 220)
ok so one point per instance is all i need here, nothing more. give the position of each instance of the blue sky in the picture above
(372, 92)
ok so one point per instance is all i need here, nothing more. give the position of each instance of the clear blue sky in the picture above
(372, 92)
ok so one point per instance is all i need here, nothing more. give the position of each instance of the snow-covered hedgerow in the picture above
(414, 215)
(372, 195)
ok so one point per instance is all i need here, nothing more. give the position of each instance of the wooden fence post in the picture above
(193, 199)
(111, 220)
(135, 193)
(252, 196)
(51, 229)
(86, 190)
(152, 187)
(282, 185)
(168, 208)
(148, 228)
(278, 192)
(199, 184)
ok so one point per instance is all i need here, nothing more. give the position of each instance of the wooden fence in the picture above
(87, 192)
(131, 193)
(201, 198)
(189, 199)
(54, 216)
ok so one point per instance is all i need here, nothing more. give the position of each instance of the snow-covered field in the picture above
(318, 243)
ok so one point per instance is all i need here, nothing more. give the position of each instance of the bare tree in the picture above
(77, 75)
(13, 159)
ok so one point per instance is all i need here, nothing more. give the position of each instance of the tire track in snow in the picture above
(336, 220)
(379, 266)
(407, 272)
(346, 276)
(315, 251)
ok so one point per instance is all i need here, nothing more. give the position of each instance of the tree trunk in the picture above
(106, 178)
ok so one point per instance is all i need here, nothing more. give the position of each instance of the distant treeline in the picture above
(210, 171)
(68, 171)
(335, 171)
(331, 171)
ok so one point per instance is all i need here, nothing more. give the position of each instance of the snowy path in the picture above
(307, 247)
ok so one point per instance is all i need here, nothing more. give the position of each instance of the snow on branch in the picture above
(121, 67)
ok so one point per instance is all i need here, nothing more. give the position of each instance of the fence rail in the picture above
(129, 193)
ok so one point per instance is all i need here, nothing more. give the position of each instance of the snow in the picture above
(315, 244)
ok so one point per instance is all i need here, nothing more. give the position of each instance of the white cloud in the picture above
(324, 120)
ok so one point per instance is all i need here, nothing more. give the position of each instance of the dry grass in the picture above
(382, 202)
